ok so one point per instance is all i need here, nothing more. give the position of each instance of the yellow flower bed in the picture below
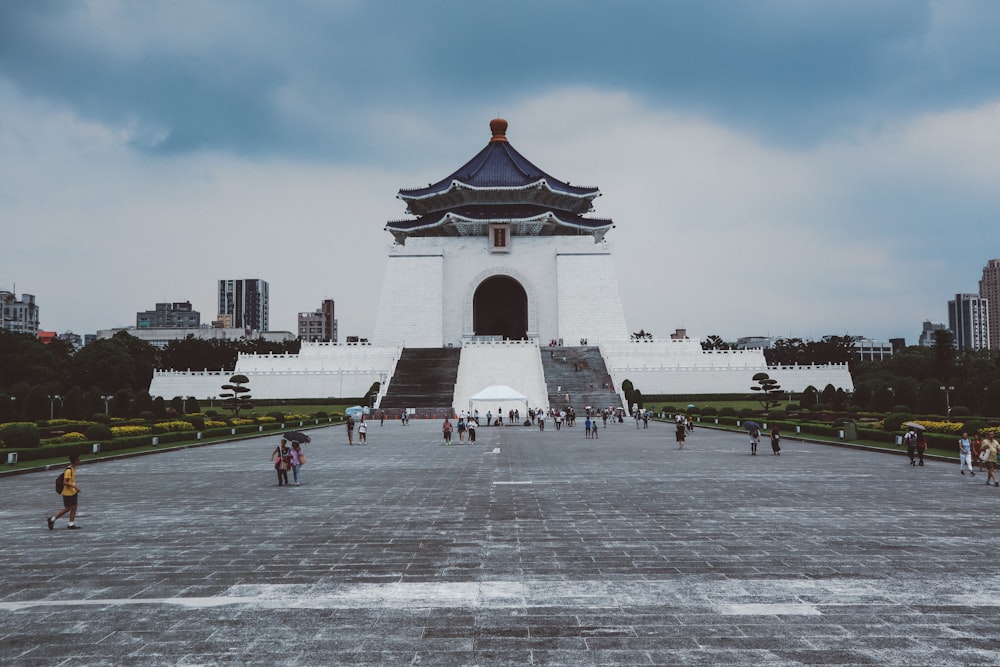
(69, 437)
(266, 420)
(126, 431)
(215, 424)
(243, 422)
(296, 418)
(176, 426)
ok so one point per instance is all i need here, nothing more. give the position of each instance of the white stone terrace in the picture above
(514, 363)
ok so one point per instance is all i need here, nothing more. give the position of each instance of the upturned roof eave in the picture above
(456, 184)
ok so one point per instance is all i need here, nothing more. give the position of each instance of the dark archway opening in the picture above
(500, 308)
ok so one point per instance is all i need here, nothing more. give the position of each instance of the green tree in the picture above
(768, 390)
(237, 396)
(715, 342)
(36, 404)
(200, 354)
(108, 365)
(73, 405)
(25, 359)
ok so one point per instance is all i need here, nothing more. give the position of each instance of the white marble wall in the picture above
(430, 284)
(682, 367)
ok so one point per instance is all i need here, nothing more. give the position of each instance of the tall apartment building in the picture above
(177, 315)
(969, 321)
(247, 302)
(319, 325)
(989, 289)
(929, 333)
(18, 316)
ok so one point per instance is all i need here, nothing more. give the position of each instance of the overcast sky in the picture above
(774, 167)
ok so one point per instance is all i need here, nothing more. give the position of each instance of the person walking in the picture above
(921, 446)
(910, 440)
(681, 430)
(965, 454)
(350, 430)
(363, 432)
(446, 429)
(992, 447)
(977, 450)
(462, 427)
(587, 426)
(754, 432)
(70, 495)
(472, 430)
(296, 459)
(280, 457)
(776, 440)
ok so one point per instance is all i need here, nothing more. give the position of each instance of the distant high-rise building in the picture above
(18, 316)
(319, 325)
(969, 321)
(989, 289)
(929, 333)
(177, 315)
(247, 301)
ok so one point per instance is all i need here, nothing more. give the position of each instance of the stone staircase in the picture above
(581, 373)
(424, 379)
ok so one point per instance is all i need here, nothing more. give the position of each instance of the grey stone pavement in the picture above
(526, 548)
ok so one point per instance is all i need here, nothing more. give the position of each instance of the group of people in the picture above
(362, 430)
(466, 427)
(287, 457)
(753, 430)
(981, 450)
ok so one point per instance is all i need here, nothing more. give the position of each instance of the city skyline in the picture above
(783, 169)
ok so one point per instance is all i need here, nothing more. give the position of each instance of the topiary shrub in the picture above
(20, 435)
(147, 415)
(776, 415)
(902, 408)
(99, 432)
(727, 412)
(709, 412)
(974, 426)
(894, 422)
(279, 416)
(321, 414)
(960, 411)
(100, 418)
(196, 421)
(746, 412)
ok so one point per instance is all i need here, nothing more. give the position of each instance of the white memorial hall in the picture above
(488, 302)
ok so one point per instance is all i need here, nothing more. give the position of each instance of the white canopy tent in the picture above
(498, 396)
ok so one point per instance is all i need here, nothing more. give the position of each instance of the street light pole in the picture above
(947, 397)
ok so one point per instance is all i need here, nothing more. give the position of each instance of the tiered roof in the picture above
(499, 185)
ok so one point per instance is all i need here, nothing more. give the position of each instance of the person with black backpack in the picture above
(69, 492)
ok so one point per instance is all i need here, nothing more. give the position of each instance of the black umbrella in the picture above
(297, 436)
(751, 425)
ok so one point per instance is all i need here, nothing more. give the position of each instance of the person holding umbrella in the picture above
(910, 440)
(753, 429)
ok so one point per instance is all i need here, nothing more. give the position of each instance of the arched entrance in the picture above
(500, 308)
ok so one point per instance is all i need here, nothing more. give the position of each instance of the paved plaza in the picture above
(526, 548)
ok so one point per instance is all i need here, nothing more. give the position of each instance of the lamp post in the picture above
(52, 405)
(947, 397)
(106, 399)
